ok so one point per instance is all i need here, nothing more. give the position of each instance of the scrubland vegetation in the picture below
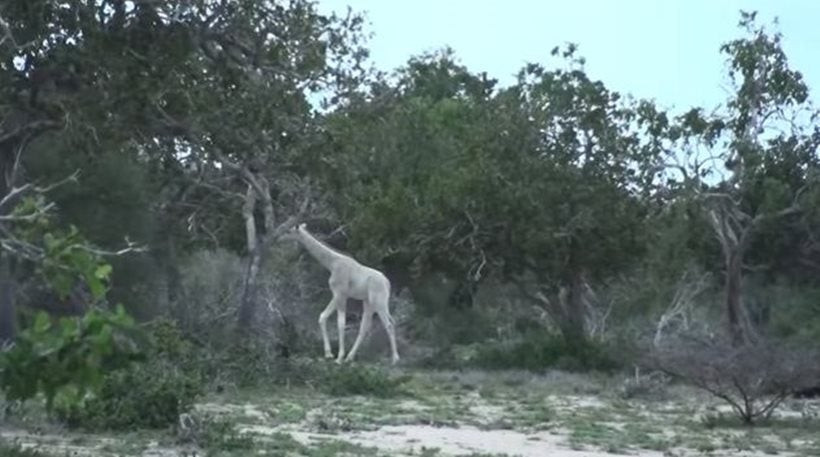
(574, 271)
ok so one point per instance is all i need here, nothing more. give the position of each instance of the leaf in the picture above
(42, 322)
(103, 271)
(97, 287)
(70, 328)
(62, 283)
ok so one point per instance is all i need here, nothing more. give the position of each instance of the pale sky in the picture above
(662, 49)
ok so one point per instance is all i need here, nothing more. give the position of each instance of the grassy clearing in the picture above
(586, 412)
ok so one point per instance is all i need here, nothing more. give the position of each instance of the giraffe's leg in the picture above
(323, 325)
(387, 321)
(340, 322)
(367, 319)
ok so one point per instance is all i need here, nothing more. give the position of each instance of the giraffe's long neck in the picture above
(322, 253)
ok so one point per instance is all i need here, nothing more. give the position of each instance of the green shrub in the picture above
(362, 380)
(537, 351)
(795, 311)
(338, 380)
(147, 395)
(67, 362)
(16, 450)
(222, 435)
(151, 394)
(246, 362)
(296, 371)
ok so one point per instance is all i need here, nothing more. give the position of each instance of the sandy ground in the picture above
(486, 434)
(465, 440)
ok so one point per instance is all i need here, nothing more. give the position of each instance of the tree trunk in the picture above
(173, 279)
(574, 325)
(574, 306)
(8, 306)
(257, 243)
(250, 290)
(8, 309)
(463, 295)
(247, 308)
(734, 298)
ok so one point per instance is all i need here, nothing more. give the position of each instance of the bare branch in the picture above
(8, 36)
(129, 248)
(753, 379)
(31, 128)
(13, 193)
(70, 179)
(22, 249)
(17, 191)
(27, 217)
(291, 221)
(220, 191)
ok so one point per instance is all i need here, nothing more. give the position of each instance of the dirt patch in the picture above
(465, 440)
(576, 401)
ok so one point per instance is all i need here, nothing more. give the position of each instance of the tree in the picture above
(403, 171)
(266, 52)
(208, 98)
(585, 187)
(484, 183)
(770, 157)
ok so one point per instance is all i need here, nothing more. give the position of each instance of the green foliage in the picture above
(67, 251)
(146, 395)
(245, 362)
(16, 450)
(66, 255)
(794, 312)
(112, 200)
(436, 171)
(67, 361)
(150, 394)
(476, 182)
(338, 380)
(362, 380)
(221, 435)
(539, 351)
(169, 343)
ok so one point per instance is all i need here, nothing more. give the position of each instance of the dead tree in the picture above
(680, 308)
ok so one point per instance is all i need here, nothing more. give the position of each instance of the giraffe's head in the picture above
(292, 233)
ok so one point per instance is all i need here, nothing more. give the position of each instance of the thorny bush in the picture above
(753, 378)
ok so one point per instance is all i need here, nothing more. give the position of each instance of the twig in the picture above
(131, 247)
(72, 178)
(14, 193)
(291, 221)
(27, 217)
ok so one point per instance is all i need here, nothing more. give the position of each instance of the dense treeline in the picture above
(552, 207)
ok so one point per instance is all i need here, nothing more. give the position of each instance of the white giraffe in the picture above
(350, 279)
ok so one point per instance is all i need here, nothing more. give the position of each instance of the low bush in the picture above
(146, 395)
(363, 380)
(647, 386)
(538, 351)
(150, 394)
(753, 378)
(14, 449)
(66, 359)
(222, 435)
(338, 380)
(244, 363)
